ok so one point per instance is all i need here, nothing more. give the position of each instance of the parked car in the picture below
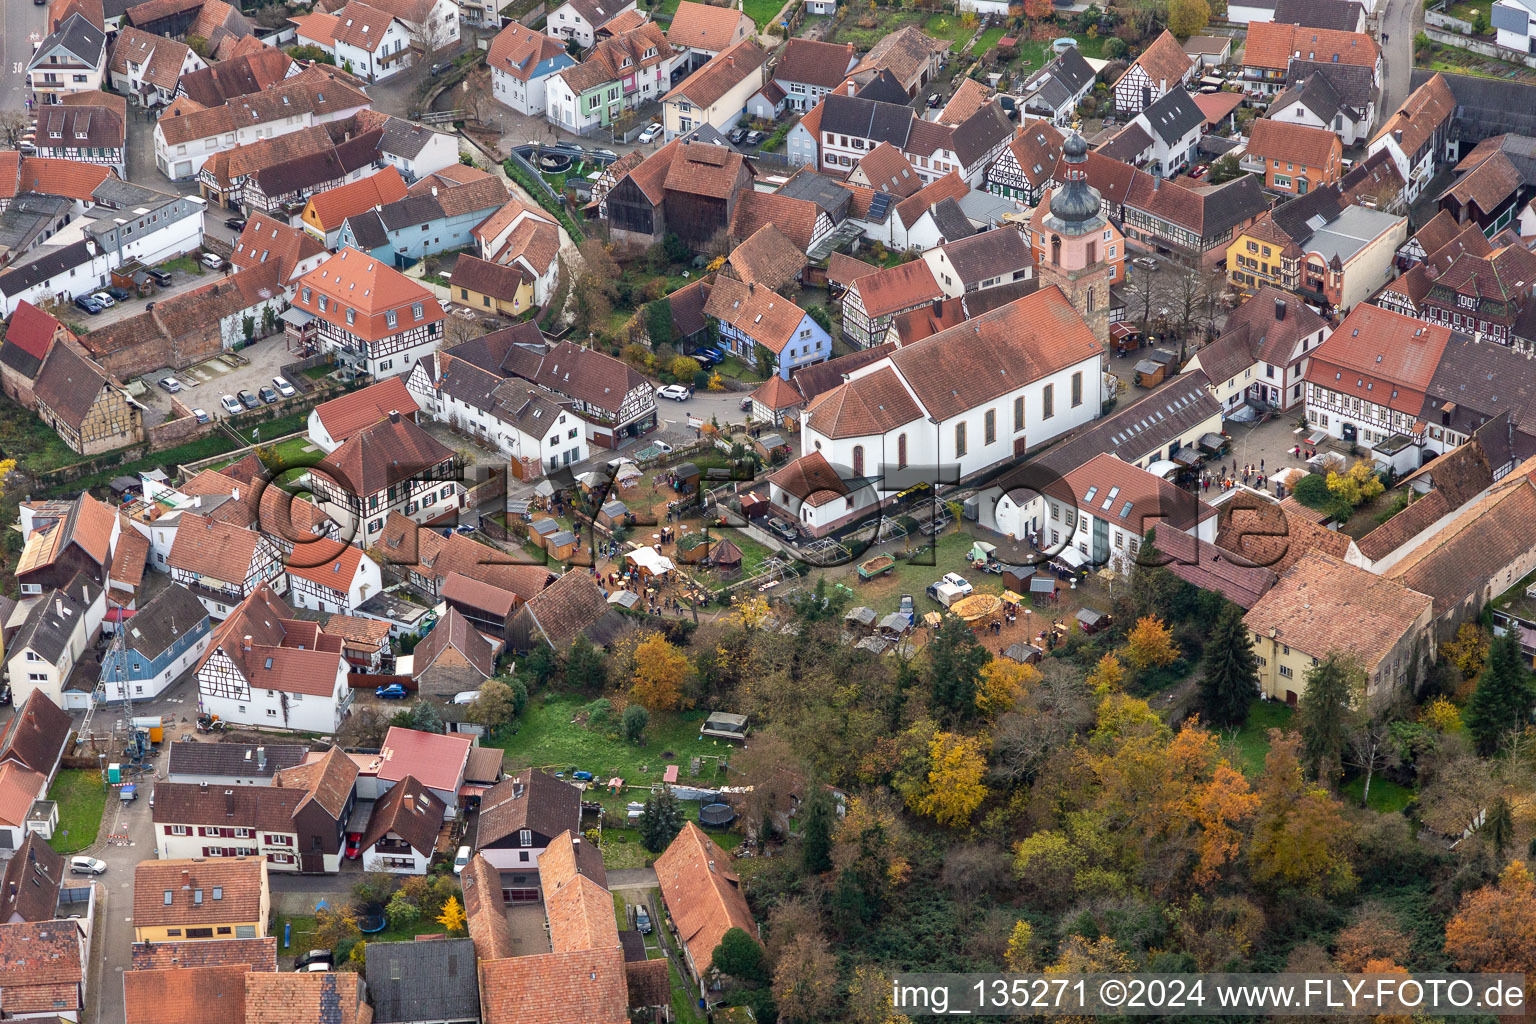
(651, 132)
(394, 691)
(107, 301)
(171, 384)
(249, 400)
(709, 356)
(642, 920)
(745, 404)
(662, 447)
(1145, 262)
(89, 304)
(676, 392)
(283, 387)
(231, 404)
(954, 579)
(268, 394)
(5, 699)
(213, 261)
(755, 138)
(736, 135)
(908, 607)
(119, 294)
(315, 960)
(441, 66)
(86, 866)
(201, 416)
(783, 528)
(160, 277)
(354, 845)
(235, 223)
(461, 860)
(934, 101)
(465, 697)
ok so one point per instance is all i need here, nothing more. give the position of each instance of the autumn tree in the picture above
(1231, 679)
(1504, 696)
(659, 675)
(1494, 929)
(953, 788)
(1300, 838)
(805, 979)
(1468, 651)
(1188, 17)
(1003, 683)
(955, 661)
(1372, 744)
(1441, 715)
(595, 288)
(1038, 10)
(684, 368)
(751, 614)
(1020, 956)
(869, 998)
(452, 917)
(1150, 644)
(494, 707)
(1357, 485)
(1373, 935)
(1327, 714)
(334, 927)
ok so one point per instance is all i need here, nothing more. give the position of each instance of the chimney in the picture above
(394, 415)
(236, 494)
(1279, 309)
(186, 878)
(261, 758)
(58, 607)
(1397, 135)
(434, 191)
(245, 642)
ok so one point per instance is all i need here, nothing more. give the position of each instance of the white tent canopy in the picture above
(650, 560)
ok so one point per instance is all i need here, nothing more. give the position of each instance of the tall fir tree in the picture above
(660, 821)
(1231, 679)
(816, 833)
(1326, 714)
(955, 661)
(1504, 696)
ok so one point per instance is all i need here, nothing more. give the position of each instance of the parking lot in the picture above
(251, 369)
(181, 281)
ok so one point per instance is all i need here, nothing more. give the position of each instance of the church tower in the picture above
(1076, 247)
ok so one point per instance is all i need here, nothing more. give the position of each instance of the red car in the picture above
(354, 845)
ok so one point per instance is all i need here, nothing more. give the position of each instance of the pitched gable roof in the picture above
(357, 410)
(409, 810)
(455, 631)
(812, 62)
(1164, 61)
(38, 733)
(704, 26)
(1299, 143)
(721, 74)
(703, 895)
(766, 258)
(569, 607)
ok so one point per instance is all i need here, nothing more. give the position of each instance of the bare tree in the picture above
(1372, 747)
(1140, 291)
(477, 96)
(1192, 294)
(13, 124)
(431, 33)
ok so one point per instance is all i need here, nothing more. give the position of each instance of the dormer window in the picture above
(390, 318)
(416, 313)
(351, 316)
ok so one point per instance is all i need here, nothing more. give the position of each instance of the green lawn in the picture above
(1033, 54)
(866, 28)
(1252, 740)
(291, 423)
(184, 264)
(1386, 796)
(34, 445)
(81, 798)
(547, 738)
(667, 7)
(951, 27)
(299, 942)
(291, 452)
(1467, 10)
(762, 11)
(987, 40)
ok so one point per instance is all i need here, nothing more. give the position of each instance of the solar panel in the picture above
(879, 205)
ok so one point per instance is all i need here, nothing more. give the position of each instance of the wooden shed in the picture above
(539, 532)
(1017, 577)
(725, 555)
(561, 545)
(613, 513)
(684, 475)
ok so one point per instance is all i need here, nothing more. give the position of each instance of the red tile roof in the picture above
(374, 290)
(1274, 44)
(186, 995)
(436, 759)
(1165, 60)
(897, 288)
(1380, 356)
(724, 71)
(703, 895)
(1312, 147)
(328, 209)
(345, 416)
(707, 26)
(517, 50)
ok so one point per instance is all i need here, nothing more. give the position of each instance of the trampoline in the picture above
(716, 815)
(371, 921)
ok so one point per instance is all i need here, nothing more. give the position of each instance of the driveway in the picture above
(181, 281)
(131, 833)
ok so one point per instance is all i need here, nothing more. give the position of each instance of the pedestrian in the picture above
(1261, 467)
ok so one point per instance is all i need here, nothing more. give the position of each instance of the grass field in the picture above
(866, 28)
(548, 738)
(987, 40)
(1386, 796)
(951, 27)
(762, 11)
(884, 594)
(81, 798)
(1252, 740)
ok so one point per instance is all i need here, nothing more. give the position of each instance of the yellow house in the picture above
(491, 287)
(718, 92)
(1321, 606)
(221, 897)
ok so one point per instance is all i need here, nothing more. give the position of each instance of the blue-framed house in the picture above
(437, 215)
(752, 317)
(161, 641)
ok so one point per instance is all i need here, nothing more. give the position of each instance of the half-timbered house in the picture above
(376, 320)
(331, 576)
(1027, 167)
(265, 668)
(426, 559)
(392, 466)
(1162, 66)
(90, 412)
(222, 564)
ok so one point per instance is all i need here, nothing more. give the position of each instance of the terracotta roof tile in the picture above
(330, 997)
(40, 962)
(250, 954)
(1164, 60)
(456, 631)
(1257, 532)
(1273, 44)
(872, 403)
(812, 62)
(768, 259)
(795, 218)
(707, 27)
(703, 895)
(352, 412)
(33, 876)
(1298, 143)
(897, 288)
(239, 881)
(435, 759)
(1323, 605)
(37, 734)
(412, 812)
(186, 994)
(951, 186)
(486, 911)
(724, 71)
(569, 607)
(328, 209)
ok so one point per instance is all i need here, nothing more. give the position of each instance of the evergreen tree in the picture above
(816, 835)
(1500, 826)
(741, 956)
(955, 661)
(585, 668)
(1326, 714)
(1152, 586)
(1504, 695)
(1231, 671)
(660, 821)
